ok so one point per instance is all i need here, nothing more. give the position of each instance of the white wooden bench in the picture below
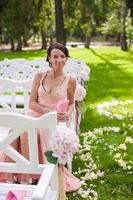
(14, 95)
(47, 187)
(22, 69)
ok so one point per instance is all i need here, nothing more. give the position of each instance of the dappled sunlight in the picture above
(116, 109)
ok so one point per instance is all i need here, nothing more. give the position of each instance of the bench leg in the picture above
(62, 193)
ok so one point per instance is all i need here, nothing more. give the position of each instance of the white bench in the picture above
(22, 69)
(14, 95)
(47, 187)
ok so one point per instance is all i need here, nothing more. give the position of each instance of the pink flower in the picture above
(85, 71)
(64, 144)
(80, 92)
(84, 75)
(62, 106)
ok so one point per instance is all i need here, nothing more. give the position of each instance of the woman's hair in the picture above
(57, 46)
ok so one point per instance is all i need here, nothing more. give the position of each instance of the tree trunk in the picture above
(87, 41)
(60, 30)
(12, 44)
(19, 45)
(123, 32)
(44, 41)
(130, 6)
(25, 41)
(51, 33)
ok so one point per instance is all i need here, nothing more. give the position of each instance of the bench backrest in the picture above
(22, 69)
(19, 124)
(14, 95)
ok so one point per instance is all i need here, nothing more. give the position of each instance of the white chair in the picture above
(14, 95)
(47, 187)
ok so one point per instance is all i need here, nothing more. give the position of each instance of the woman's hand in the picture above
(63, 117)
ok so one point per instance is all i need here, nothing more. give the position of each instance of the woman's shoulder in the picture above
(39, 75)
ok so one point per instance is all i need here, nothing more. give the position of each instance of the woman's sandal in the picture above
(34, 181)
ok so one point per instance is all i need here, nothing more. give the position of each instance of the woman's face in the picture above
(57, 58)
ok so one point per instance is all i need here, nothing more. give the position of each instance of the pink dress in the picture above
(50, 100)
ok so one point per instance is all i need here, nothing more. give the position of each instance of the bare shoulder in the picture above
(38, 76)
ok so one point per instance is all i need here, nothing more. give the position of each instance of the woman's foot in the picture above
(16, 180)
(34, 181)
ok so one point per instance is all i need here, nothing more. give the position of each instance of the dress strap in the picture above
(44, 74)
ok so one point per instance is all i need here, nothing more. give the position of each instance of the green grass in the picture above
(111, 78)
(31, 54)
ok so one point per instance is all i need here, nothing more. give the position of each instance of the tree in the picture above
(16, 20)
(60, 30)
(112, 26)
(72, 19)
(44, 20)
(123, 25)
(129, 28)
(92, 14)
(130, 6)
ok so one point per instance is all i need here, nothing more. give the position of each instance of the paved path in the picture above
(69, 45)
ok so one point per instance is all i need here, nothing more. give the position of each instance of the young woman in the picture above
(48, 89)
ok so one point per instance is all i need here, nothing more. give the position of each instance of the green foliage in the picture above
(82, 18)
(16, 16)
(112, 25)
(50, 157)
(44, 15)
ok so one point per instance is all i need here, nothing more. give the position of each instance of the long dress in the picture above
(49, 99)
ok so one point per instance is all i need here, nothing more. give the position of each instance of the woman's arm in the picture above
(70, 96)
(33, 101)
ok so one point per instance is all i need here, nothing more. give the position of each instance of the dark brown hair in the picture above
(57, 46)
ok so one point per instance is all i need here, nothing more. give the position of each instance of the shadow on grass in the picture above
(108, 80)
(112, 56)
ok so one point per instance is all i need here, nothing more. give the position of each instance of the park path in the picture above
(37, 46)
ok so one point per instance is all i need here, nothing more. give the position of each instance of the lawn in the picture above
(104, 162)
